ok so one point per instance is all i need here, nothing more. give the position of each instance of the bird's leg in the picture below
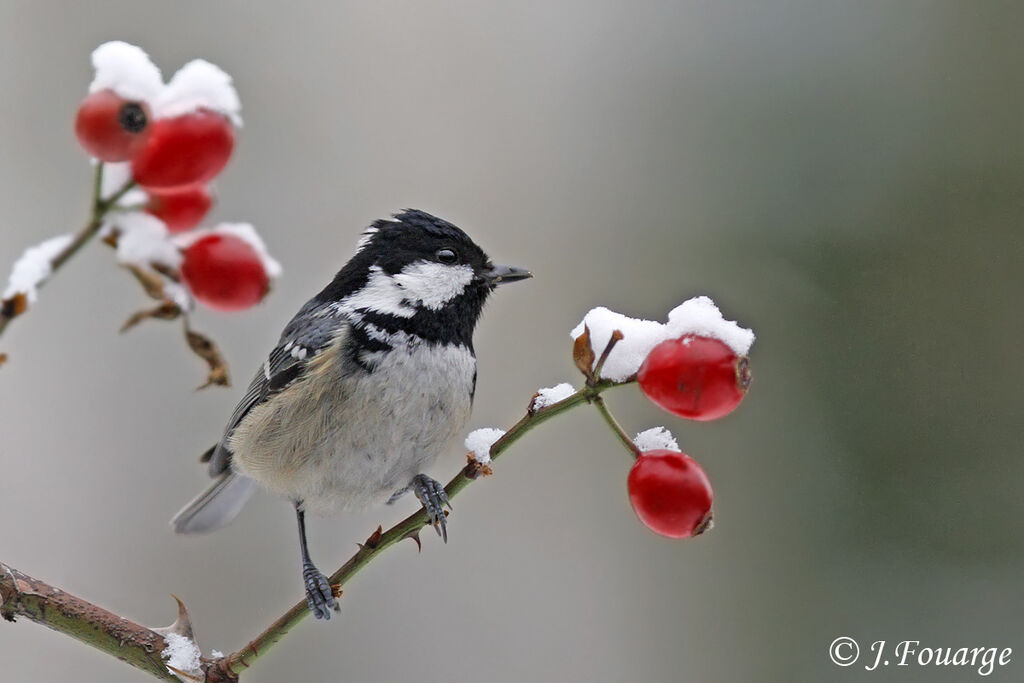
(318, 590)
(431, 494)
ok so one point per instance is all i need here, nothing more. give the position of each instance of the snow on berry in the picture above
(656, 438)
(199, 85)
(243, 231)
(639, 337)
(479, 443)
(127, 70)
(34, 267)
(552, 395)
(698, 315)
(144, 240)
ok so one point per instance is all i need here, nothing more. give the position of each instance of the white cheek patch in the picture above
(380, 294)
(433, 284)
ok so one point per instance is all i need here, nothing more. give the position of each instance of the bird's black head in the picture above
(419, 274)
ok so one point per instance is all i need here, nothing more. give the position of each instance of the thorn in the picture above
(415, 535)
(182, 626)
(374, 540)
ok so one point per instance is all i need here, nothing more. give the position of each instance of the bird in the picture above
(368, 383)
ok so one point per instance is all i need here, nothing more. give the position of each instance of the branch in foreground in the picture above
(140, 646)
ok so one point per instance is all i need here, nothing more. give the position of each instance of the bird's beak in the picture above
(497, 275)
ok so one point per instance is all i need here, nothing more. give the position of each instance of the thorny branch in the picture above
(141, 646)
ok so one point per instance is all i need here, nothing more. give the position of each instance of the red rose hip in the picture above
(111, 128)
(184, 151)
(225, 273)
(670, 494)
(181, 210)
(700, 378)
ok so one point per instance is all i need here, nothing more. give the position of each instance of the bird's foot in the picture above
(318, 592)
(431, 494)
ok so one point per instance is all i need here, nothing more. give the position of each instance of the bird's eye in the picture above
(446, 256)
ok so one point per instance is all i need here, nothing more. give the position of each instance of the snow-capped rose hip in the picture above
(670, 494)
(700, 378)
(181, 210)
(225, 272)
(110, 127)
(184, 151)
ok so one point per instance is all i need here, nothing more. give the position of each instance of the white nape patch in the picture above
(433, 284)
(34, 267)
(700, 316)
(381, 294)
(199, 85)
(144, 240)
(365, 238)
(183, 654)
(655, 439)
(552, 395)
(479, 443)
(127, 70)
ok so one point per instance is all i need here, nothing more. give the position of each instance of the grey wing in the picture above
(311, 331)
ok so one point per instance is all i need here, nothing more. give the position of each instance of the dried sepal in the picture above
(204, 347)
(14, 305)
(583, 353)
(3, 358)
(167, 310)
(475, 468)
(151, 282)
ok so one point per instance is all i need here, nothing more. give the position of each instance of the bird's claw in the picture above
(433, 497)
(319, 595)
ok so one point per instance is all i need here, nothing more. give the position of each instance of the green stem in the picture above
(599, 403)
(233, 664)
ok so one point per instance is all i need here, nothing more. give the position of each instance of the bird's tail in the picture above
(216, 506)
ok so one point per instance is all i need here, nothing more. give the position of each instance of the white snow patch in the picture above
(551, 395)
(244, 232)
(656, 438)
(115, 176)
(697, 316)
(639, 337)
(216, 654)
(199, 85)
(127, 70)
(181, 653)
(34, 267)
(700, 316)
(144, 240)
(479, 443)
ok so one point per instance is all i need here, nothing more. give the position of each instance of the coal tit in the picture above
(369, 382)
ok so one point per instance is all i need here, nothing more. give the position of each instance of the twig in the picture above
(599, 403)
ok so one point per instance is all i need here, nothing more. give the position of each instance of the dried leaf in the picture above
(204, 347)
(14, 306)
(583, 354)
(167, 310)
(149, 280)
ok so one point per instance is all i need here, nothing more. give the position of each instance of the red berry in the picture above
(184, 151)
(670, 494)
(696, 377)
(225, 273)
(111, 128)
(182, 210)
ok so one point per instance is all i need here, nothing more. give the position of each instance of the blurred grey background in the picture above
(846, 178)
